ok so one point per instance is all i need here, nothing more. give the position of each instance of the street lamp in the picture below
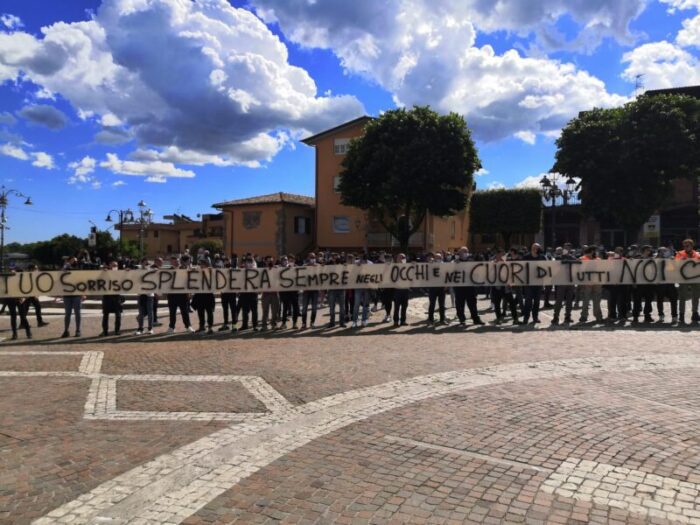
(144, 220)
(125, 216)
(552, 190)
(4, 194)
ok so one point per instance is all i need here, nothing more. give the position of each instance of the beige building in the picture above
(340, 227)
(174, 237)
(275, 224)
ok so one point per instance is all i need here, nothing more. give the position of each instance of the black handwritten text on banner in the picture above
(418, 275)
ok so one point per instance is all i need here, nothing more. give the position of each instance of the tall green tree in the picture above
(409, 163)
(506, 212)
(626, 157)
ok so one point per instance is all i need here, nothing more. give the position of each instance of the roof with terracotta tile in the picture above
(272, 198)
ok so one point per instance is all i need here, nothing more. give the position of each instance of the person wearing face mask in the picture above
(466, 294)
(360, 300)
(401, 296)
(643, 293)
(386, 295)
(618, 295)
(502, 296)
(309, 297)
(666, 291)
(270, 301)
(592, 293)
(180, 301)
(249, 300)
(111, 304)
(532, 293)
(563, 294)
(436, 294)
(336, 297)
(289, 298)
(686, 290)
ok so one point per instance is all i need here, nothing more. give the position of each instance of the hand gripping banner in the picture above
(300, 278)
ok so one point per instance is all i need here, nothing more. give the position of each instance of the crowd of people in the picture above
(519, 305)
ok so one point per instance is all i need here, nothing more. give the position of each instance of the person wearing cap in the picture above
(591, 293)
(401, 296)
(532, 293)
(643, 293)
(688, 291)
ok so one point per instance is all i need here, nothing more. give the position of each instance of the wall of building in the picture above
(328, 200)
(298, 243)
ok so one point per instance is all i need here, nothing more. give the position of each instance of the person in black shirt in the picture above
(533, 293)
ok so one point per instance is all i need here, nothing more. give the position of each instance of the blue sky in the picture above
(183, 104)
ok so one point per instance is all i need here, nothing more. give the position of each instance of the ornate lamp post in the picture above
(125, 216)
(144, 220)
(4, 194)
(552, 190)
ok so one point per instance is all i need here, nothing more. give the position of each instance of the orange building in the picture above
(174, 237)
(347, 228)
(275, 224)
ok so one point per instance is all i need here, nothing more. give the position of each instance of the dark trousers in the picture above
(502, 299)
(436, 295)
(564, 296)
(466, 295)
(387, 297)
(155, 309)
(309, 297)
(34, 301)
(204, 304)
(532, 303)
(670, 292)
(117, 321)
(228, 303)
(18, 309)
(290, 306)
(643, 294)
(400, 305)
(249, 308)
(618, 302)
(179, 302)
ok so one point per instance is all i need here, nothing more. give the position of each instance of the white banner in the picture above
(299, 278)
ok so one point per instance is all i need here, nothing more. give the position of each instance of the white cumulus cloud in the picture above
(662, 65)
(43, 160)
(11, 21)
(425, 53)
(205, 77)
(11, 150)
(154, 171)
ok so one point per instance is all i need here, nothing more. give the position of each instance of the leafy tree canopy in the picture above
(409, 163)
(626, 157)
(506, 212)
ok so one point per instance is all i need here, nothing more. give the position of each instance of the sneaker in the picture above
(674, 319)
(303, 326)
(150, 332)
(189, 329)
(284, 326)
(117, 332)
(343, 325)
(65, 334)
(223, 328)
(171, 331)
(139, 332)
(200, 330)
(77, 334)
(387, 319)
(331, 325)
(555, 322)
(29, 335)
(364, 323)
(479, 322)
(210, 331)
(354, 324)
(103, 334)
(14, 337)
(157, 323)
(313, 325)
(568, 320)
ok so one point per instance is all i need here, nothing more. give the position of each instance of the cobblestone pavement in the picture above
(413, 425)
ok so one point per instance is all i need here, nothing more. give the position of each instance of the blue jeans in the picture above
(71, 303)
(361, 298)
